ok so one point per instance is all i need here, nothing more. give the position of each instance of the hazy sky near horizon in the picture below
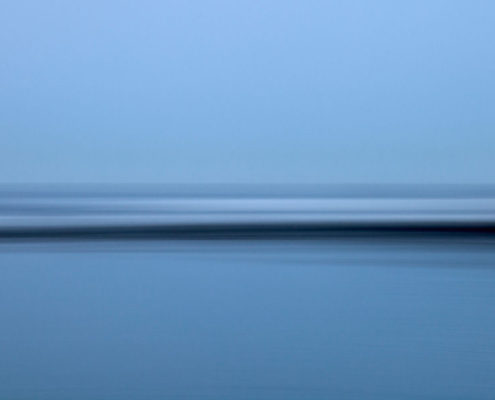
(247, 91)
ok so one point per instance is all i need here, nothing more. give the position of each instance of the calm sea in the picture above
(257, 319)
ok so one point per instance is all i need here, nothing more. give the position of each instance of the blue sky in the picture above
(247, 91)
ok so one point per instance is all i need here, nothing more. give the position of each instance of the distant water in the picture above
(332, 319)
(242, 212)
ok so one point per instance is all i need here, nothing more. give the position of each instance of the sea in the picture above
(222, 313)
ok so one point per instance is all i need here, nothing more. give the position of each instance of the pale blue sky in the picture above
(247, 91)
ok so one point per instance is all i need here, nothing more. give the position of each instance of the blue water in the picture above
(247, 320)
(239, 210)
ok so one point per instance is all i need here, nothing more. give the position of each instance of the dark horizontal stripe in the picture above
(252, 231)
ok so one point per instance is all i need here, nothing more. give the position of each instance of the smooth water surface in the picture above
(247, 320)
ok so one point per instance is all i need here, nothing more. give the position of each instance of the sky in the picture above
(275, 91)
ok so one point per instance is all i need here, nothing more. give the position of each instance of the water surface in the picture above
(248, 320)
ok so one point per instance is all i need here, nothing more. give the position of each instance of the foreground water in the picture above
(248, 320)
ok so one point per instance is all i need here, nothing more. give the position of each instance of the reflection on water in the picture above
(248, 320)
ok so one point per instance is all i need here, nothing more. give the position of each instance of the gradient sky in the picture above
(247, 91)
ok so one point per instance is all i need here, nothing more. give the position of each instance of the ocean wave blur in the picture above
(98, 299)
(243, 211)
